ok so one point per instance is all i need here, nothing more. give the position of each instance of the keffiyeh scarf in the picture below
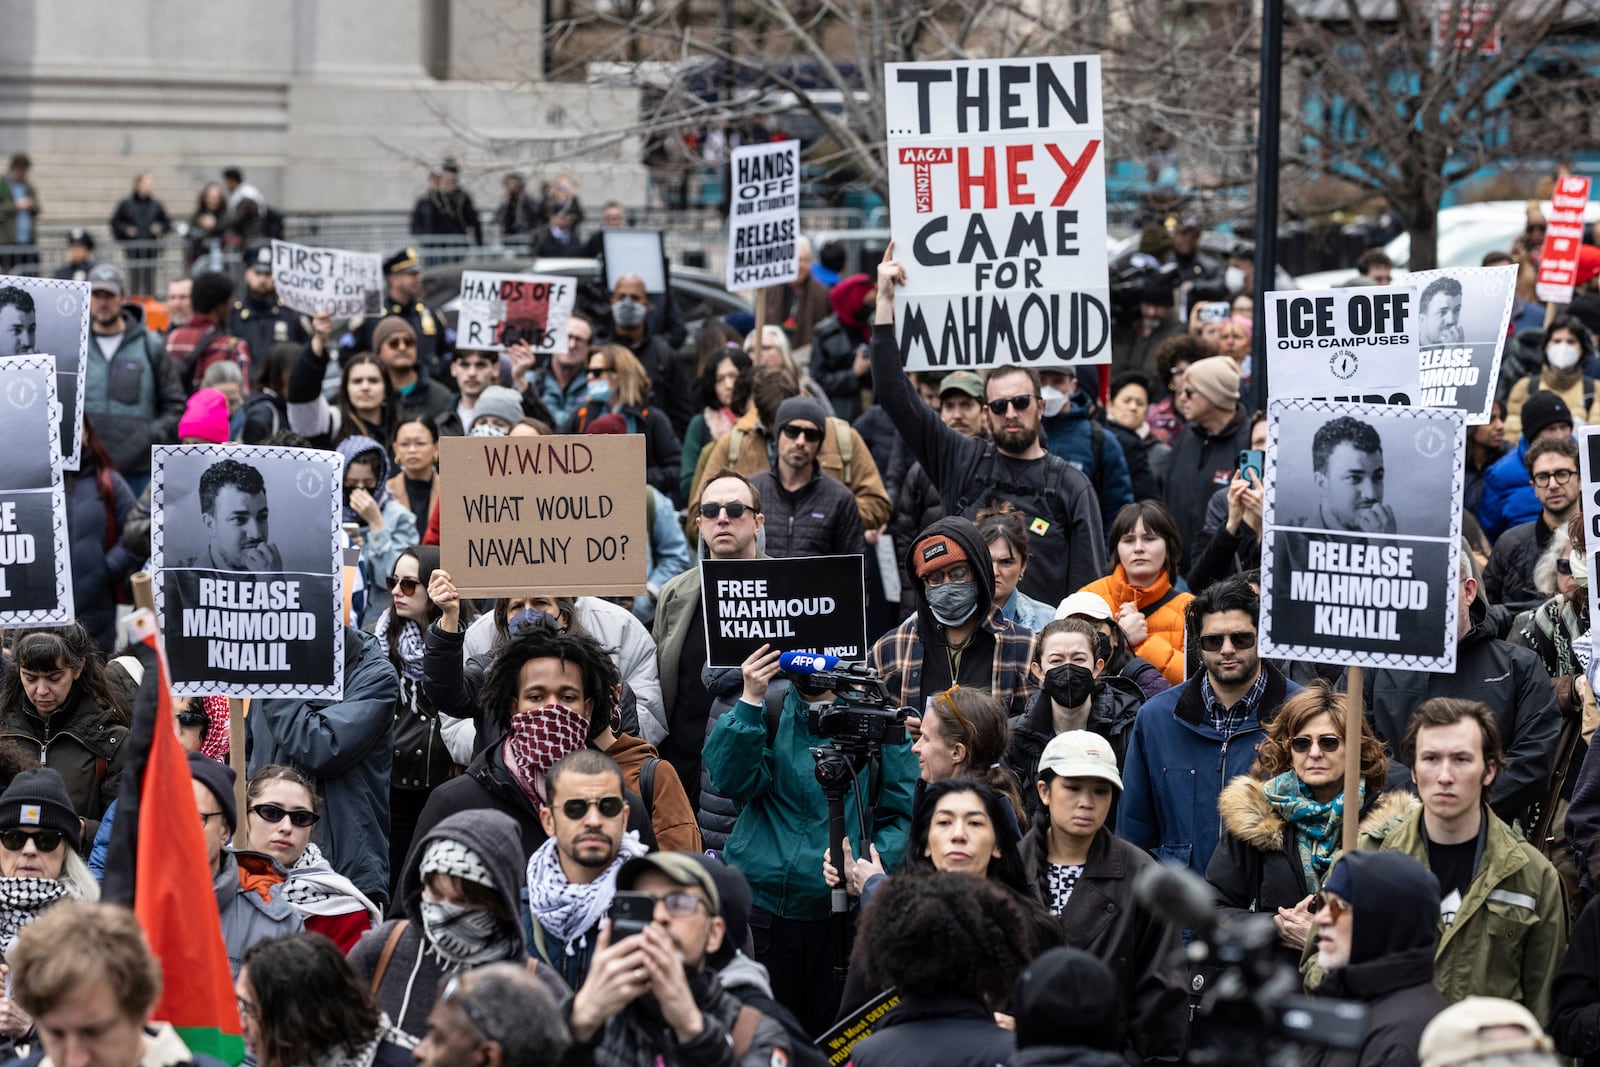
(21, 902)
(409, 644)
(215, 742)
(536, 740)
(567, 909)
(315, 888)
(1316, 823)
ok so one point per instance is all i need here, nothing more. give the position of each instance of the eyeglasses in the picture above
(401, 342)
(810, 433)
(407, 586)
(193, 720)
(43, 840)
(678, 902)
(1561, 477)
(1329, 743)
(959, 573)
(273, 814)
(246, 1009)
(1336, 907)
(1241, 640)
(577, 341)
(578, 807)
(1564, 566)
(453, 991)
(599, 372)
(735, 509)
(1021, 403)
(207, 816)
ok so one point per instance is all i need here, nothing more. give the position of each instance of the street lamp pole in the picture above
(1270, 107)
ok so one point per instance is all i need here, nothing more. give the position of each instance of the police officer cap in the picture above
(259, 259)
(405, 261)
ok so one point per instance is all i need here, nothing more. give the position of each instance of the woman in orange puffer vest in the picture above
(1139, 590)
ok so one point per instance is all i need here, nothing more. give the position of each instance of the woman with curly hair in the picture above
(302, 1003)
(1283, 822)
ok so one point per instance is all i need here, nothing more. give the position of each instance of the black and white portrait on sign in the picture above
(1464, 315)
(1363, 521)
(50, 316)
(247, 580)
(35, 553)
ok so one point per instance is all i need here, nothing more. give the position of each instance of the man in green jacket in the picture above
(1502, 916)
(782, 833)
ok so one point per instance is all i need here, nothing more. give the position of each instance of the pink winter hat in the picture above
(206, 417)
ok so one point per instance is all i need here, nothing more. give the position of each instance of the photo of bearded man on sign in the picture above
(1347, 465)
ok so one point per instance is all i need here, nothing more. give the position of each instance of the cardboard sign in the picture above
(1362, 537)
(1464, 313)
(51, 315)
(562, 516)
(997, 199)
(855, 1028)
(802, 604)
(247, 583)
(1563, 236)
(498, 310)
(764, 222)
(1354, 345)
(317, 280)
(1589, 470)
(35, 554)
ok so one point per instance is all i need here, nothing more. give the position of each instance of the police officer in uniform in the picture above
(258, 316)
(435, 340)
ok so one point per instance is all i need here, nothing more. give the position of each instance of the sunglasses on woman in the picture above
(193, 720)
(578, 807)
(272, 814)
(1329, 743)
(1242, 640)
(43, 840)
(407, 586)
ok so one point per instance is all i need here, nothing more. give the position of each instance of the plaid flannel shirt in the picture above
(897, 657)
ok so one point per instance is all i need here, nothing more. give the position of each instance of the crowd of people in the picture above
(541, 827)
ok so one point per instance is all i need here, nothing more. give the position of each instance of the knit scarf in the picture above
(567, 909)
(536, 740)
(1316, 823)
(410, 644)
(21, 901)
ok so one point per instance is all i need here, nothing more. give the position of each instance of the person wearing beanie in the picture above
(1376, 930)
(809, 513)
(619, 385)
(205, 419)
(1486, 1032)
(1508, 496)
(1206, 451)
(395, 344)
(402, 272)
(496, 406)
(248, 886)
(1068, 1013)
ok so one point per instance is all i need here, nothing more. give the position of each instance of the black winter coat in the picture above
(1575, 997)
(946, 1031)
(818, 519)
(1116, 704)
(1202, 463)
(833, 356)
(81, 740)
(1065, 1056)
(100, 562)
(1401, 1000)
(1136, 450)
(1508, 579)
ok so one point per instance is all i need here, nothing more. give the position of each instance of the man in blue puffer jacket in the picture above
(1508, 497)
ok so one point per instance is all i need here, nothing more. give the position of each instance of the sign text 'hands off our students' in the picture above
(764, 220)
(997, 207)
(561, 516)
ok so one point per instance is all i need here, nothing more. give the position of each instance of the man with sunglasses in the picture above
(1060, 508)
(417, 395)
(809, 513)
(498, 1015)
(647, 1000)
(1508, 579)
(1193, 739)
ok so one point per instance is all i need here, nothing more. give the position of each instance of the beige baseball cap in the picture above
(1081, 754)
(1089, 605)
(1476, 1027)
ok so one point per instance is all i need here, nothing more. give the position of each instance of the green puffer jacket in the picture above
(782, 831)
(1510, 933)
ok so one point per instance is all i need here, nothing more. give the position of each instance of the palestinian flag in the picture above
(171, 894)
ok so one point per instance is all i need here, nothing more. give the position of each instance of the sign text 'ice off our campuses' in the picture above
(997, 209)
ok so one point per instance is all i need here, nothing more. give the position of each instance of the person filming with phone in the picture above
(1230, 541)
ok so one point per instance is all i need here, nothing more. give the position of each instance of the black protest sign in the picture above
(1362, 534)
(1464, 313)
(847, 1033)
(805, 604)
(51, 315)
(35, 555)
(247, 579)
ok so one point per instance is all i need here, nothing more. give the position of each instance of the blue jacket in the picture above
(1508, 497)
(1071, 435)
(1176, 767)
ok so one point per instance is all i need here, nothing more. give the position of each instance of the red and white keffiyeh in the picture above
(537, 739)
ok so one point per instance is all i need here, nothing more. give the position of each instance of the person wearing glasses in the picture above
(809, 513)
(687, 1018)
(1553, 468)
(281, 808)
(494, 1016)
(1205, 452)
(618, 385)
(1192, 739)
(573, 875)
(974, 473)
(249, 886)
(300, 1002)
(1508, 498)
(395, 343)
(1376, 929)
(1281, 823)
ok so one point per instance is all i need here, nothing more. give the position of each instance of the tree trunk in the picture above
(1422, 219)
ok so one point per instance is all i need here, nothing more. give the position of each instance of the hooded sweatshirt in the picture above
(380, 548)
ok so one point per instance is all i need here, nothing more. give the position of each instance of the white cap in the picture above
(1461, 1033)
(1085, 603)
(1081, 754)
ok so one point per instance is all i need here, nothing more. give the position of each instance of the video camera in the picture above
(862, 714)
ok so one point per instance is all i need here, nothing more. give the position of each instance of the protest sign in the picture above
(1363, 534)
(35, 554)
(1357, 345)
(855, 1028)
(1589, 468)
(1563, 236)
(318, 280)
(1464, 26)
(802, 604)
(246, 574)
(561, 516)
(764, 221)
(497, 310)
(51, 315)
(1463, 313)
(997, 198)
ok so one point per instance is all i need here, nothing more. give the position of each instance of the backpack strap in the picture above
(647, 785)
(1150, 610)
(387, 954)
(846, 442)
(650, 510)
(1588, 395)
(743, 1034)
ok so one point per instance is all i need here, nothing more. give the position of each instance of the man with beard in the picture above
(1347, 464)
(1058, 503)
(573, 875)
(1508, 579)
(132, 393)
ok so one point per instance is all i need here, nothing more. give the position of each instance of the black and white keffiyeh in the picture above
(21, 902)
(410, 643)
(315, 888)
(566, 909)
(444, 856)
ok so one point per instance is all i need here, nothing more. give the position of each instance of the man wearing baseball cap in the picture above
(1486, 1031)
(961, 402)
(647, 1000)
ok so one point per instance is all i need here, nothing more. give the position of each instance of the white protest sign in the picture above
(317, 280)
(764, 223)
(1463, 313)
(1362, 534)
(1357, 344)
(997, 199)
(1589, 467)
(498, 310)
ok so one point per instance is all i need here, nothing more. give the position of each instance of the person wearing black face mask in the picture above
(1069, 665)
